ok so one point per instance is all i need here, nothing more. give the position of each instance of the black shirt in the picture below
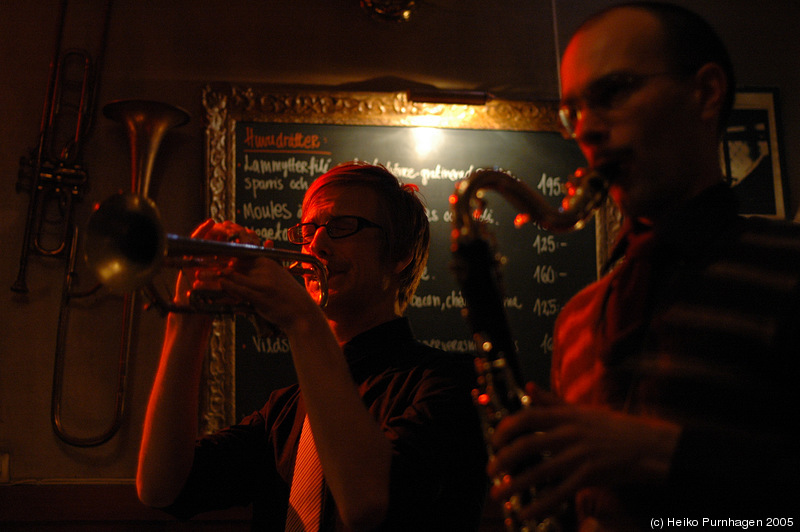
(421, 398)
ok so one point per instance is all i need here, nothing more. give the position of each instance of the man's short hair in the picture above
(407, 228)
(690, 42)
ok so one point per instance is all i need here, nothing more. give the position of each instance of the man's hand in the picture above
(206, 274)
(562, 449)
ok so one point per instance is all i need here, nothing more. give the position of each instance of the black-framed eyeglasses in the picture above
(336, 227)
(604, 94)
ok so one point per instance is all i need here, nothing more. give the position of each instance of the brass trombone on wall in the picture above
(146, 122)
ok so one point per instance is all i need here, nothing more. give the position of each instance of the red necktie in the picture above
(305, 497)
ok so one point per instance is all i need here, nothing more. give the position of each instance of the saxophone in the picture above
(499, 391)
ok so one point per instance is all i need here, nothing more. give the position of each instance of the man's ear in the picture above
(712, 87)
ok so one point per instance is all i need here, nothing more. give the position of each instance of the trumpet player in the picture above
(674, 376)
(379, 433)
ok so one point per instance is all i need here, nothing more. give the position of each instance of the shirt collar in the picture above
(391, 333)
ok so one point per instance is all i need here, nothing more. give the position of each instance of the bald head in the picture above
(685, 40)
(642, 115)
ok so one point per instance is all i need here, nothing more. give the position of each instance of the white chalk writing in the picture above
(311, 167)
(270, 345)
(266, 211)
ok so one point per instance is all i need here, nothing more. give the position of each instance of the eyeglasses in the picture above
(609, 92)
(336, 227)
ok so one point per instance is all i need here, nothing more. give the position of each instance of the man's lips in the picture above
(610, 171)
(612, 165)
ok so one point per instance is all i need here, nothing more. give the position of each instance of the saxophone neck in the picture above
(585, 191)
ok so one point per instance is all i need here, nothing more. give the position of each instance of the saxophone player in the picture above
(674, 375)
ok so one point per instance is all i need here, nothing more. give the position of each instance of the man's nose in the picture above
(590, 125)
(320, 244)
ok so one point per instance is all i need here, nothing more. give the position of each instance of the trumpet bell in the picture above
(125, 242)
(126, 246)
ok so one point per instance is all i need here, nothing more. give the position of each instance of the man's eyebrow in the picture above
(566, 100)
(596, 82)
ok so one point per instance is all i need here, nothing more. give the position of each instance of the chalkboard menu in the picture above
(268, 160)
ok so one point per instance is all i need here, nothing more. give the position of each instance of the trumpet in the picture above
(499, 391)
(126, 246)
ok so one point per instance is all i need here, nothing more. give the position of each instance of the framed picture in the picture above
(750, 154)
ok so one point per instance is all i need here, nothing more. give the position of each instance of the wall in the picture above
(168, 51)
